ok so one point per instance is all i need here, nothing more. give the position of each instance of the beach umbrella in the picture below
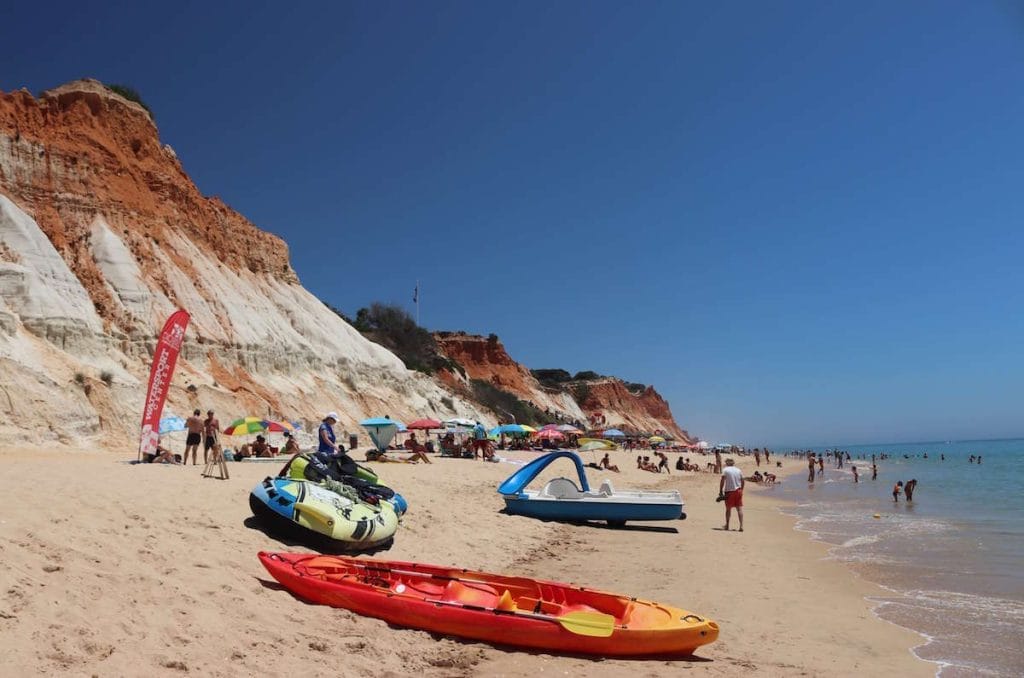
(382, 430)
(245, 426)
(598, 443)
(655, 439)
(549, 427)
(613, 433)
(511, 429)
(171, 424)
(459, 421)
(569, 428)
(550, 434)
(424, 425)
(701, 445)
(278, 426)
(528, 429)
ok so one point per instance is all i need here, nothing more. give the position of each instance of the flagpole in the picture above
(417, 303)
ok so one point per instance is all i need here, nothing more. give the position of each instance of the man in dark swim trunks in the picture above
(194, 425)
(211, 428)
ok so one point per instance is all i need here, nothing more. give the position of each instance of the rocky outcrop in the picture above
(102, 236)
(486, 358)
(604, 402)
(608, 402)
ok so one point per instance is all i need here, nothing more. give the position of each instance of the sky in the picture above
(801, 221)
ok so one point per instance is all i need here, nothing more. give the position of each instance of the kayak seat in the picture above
(506, 602)
(561, 488)
(474, 594)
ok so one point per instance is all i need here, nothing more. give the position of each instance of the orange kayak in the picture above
(493, 608)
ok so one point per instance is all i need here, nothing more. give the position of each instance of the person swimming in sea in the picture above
(896, 490)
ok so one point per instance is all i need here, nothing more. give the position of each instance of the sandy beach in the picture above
(113, 569)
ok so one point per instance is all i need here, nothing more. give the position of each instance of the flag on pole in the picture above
(416, 294)
(164, 357)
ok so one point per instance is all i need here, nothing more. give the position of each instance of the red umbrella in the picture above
(424, 424)
(549, 427)
(550, 434)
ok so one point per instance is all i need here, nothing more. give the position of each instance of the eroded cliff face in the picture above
(102, 236)
(602, 402)
(608, 402)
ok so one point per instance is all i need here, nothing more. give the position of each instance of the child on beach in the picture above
(896, 490)
(856, 478)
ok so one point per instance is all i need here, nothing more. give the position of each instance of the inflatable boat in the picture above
(562, 499)
(308, 513)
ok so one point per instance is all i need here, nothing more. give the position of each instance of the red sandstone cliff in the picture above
(102, 235)
(486, 358)
(81, 150)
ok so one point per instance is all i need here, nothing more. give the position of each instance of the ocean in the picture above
(952, 560)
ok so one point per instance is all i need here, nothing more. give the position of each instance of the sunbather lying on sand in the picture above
(380, 457)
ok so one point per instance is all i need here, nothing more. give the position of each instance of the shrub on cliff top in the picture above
(130, 94)
(506, 404)
(587, 375)
(392, 327)
(635, 388)
(551, 378)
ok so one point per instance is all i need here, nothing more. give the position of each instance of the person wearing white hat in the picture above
(327, 446)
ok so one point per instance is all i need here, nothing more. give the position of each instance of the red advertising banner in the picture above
(164, 357)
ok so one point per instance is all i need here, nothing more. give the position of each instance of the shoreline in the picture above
(180, 550)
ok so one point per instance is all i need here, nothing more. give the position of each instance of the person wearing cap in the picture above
(211, 428)
(731, 487)
(327, 446)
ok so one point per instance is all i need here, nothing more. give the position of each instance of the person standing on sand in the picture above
(757, 457)
(731, 486)
(810, 467)
(211, 429)
(194, 426)
(874, 471)
(718, 461)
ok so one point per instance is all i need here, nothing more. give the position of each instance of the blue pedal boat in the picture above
(564, 500)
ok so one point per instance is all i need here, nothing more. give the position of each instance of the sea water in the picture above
(952, 560)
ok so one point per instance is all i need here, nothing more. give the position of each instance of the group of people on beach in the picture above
(200, 431)
(644, 463)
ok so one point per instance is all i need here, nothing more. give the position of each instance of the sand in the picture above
(112, 569)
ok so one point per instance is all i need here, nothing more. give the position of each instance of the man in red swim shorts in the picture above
(731, 487)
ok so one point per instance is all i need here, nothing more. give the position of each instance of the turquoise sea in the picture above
(953, 559)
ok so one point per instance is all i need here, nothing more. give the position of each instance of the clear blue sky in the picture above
(801, 221)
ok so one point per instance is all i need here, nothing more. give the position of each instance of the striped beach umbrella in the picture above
(245, 426)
